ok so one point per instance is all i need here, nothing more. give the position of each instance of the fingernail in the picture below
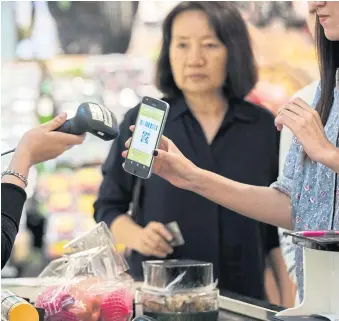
(63, 115)
(155, 153)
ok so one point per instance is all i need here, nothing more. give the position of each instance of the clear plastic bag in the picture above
(100, 236)
(87, 285)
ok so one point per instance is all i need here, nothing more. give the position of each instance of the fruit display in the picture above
(286, 64)
(67, 197)
(277, 84)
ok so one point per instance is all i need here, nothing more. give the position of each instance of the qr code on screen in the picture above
(145, 137)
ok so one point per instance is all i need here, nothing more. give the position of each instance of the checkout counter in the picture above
(232, 307)
(321, 288)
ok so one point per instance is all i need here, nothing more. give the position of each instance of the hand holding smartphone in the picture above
(149, 127)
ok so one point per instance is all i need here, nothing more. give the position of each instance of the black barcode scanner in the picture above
(90, 118)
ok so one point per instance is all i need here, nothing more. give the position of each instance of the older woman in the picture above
(306, 196)
(205, 70)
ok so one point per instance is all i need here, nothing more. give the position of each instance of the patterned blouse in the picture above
(312, 187)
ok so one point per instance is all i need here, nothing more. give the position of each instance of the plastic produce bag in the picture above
(100, 236)
(89, 299)
(87, 285)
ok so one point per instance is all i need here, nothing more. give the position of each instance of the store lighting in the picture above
(23, 105)
(128, 98)
(89, 89)
(45, 106)
(78, 82)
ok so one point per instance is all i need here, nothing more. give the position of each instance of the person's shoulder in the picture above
(258, 112)
(131, 114)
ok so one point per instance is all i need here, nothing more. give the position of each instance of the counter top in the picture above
(233, 307)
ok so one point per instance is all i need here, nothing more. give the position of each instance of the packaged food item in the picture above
(189, 302)
(87, 299)
(178, 290)
(88, 284)
(14, 308)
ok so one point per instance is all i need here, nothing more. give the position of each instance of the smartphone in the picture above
(149, 126)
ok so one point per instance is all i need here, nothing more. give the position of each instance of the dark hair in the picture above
(231, 30)
(328, 57)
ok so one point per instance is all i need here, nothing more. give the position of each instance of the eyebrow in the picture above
(187, 37)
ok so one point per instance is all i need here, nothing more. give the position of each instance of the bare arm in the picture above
(125, 231)
(19, 164)
(264, 204)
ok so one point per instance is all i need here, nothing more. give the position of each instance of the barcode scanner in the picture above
(90, 118)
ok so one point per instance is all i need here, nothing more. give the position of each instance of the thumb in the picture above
(56, 122)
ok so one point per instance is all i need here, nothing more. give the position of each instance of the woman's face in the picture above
(198, 58)
(311, 17)
(328, 12)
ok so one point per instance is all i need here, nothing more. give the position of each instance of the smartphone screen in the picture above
(148, 128)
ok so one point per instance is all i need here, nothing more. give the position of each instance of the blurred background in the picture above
(55, 55)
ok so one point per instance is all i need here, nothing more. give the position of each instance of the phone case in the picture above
(156, 145)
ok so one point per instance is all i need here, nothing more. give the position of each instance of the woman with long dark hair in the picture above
(306, 195)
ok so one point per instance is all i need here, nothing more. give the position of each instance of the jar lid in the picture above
(175, 275)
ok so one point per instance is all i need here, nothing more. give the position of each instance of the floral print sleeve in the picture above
(285, 181)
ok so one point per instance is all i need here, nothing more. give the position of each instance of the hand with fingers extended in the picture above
(170, 163)
(153, 240)
(43, 143)
(306, 125)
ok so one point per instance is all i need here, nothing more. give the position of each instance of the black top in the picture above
(13, 198)
(245, 149)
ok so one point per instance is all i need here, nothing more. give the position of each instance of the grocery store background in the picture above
(56, 55)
